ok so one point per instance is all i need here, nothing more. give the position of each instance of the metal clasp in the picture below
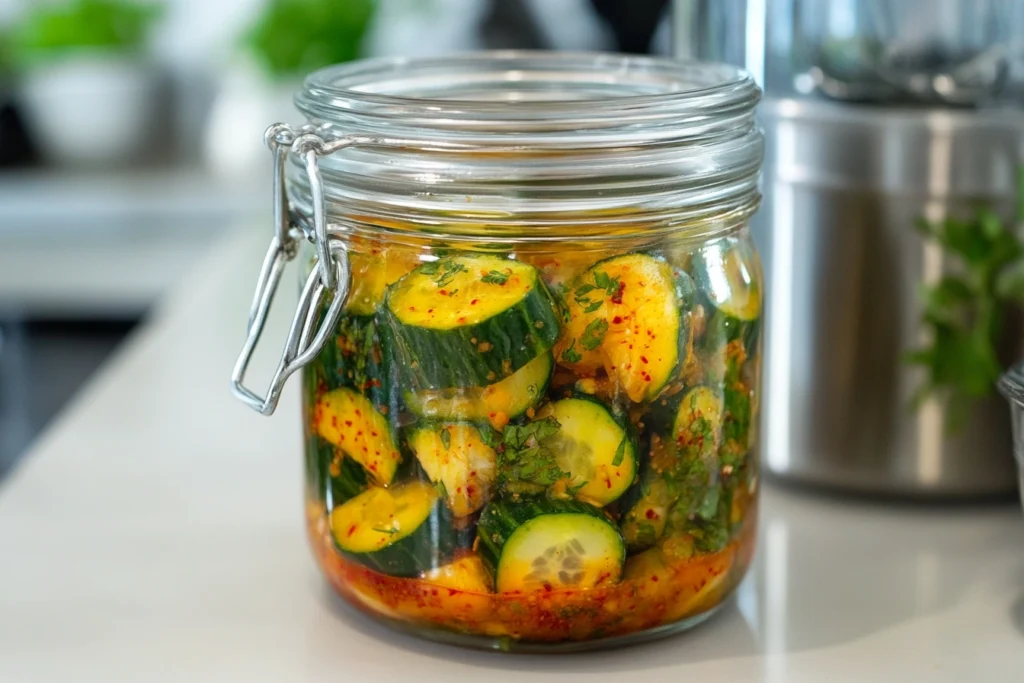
(330, 275)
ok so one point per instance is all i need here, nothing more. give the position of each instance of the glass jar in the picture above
(530, 334)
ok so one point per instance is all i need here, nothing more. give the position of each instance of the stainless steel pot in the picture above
(843, 185)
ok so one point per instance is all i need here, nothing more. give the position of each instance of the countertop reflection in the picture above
(154, 533)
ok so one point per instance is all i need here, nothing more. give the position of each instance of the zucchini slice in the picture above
(349, 421)
(549, 545)
(468, 573)
(457, 459)
(400, 531)
(594, 448)
(497, 403)
(468, 321)
(625, 315)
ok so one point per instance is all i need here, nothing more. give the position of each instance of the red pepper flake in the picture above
(643, 359)
(473, 302)
(617, 320)
(348, 423)
(651, 514)
(352, 529)
(462, 320)
(412, 308)
(654, 578)
(617, 296)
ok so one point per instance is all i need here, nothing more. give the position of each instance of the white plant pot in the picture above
(90, 109)
(245, 105)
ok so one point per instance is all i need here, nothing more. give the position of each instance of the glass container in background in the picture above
(877, 114)
(531, 341)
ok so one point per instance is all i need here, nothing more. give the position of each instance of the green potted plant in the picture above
(286, 41)
(86, 85)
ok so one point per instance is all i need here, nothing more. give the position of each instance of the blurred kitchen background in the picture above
(130, 137)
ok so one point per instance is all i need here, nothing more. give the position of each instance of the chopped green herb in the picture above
(593, 307)
(608, 284)
(495, 277)
(620, 453)
(526, 462)
(446, 438)
(389, 531)
(594, 334)
(571, 355)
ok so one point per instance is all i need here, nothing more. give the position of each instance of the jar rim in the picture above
(503, 144)
(477, 87)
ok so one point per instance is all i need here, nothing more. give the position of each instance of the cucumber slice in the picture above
(497, 403)
(330, 476)
(349, 421)
(695, 434)
(549, 545)
(360, 358)
(625, 315)
(468, 321)
(465, 574)
(373, 269)
(594, 448)
(401, 531)
(456, 457)
(681, 469)
(728, 275)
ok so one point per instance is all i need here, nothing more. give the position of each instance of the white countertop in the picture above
(155, 534)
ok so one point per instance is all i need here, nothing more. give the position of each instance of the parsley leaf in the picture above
(594, 334)
(446, 438)
(526, 459)
(495, 277)
(593, 307)
(608, 284)
(571, 355)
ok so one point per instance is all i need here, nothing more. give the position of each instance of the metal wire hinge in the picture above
(311, 325)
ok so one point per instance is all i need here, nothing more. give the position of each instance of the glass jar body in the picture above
(533, 425)
(630, 437)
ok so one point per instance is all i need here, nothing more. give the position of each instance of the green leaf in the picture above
(293, 37)
(1010, 282)
(571, 355)
(620, 453)
(446, 438)
(593, 335)
(593, 307)
(49, 29)
(496, 278)
(609, 284)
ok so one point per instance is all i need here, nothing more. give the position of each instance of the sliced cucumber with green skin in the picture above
(359, 357)
(627, 316)
(332, 477)
(596, 449)
(504, 400)
(681, 468)
(728, 276)
(469, 321)
(402, 530)
(349, 421)
(457, 458)
(546, 544)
